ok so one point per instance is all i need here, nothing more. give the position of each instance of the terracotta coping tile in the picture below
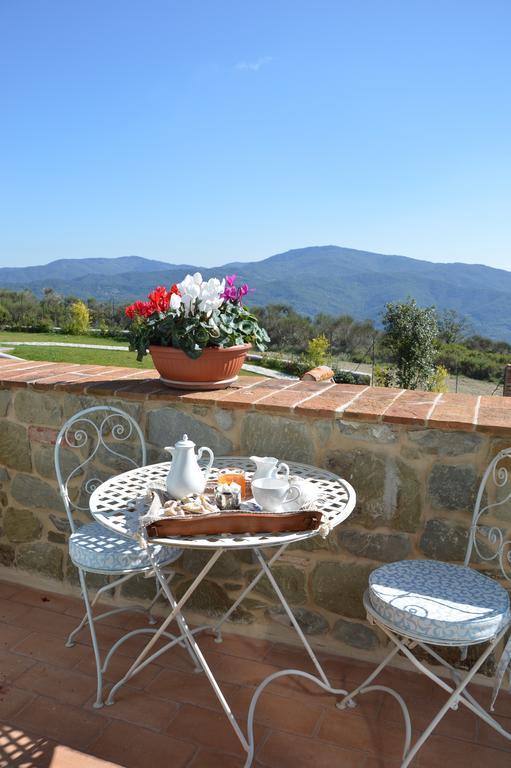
(411, 408)
(494, 419)
(313, 399)
(372, 403)
(452, 413)
(286, 399)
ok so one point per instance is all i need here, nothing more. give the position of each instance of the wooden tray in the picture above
(235, 522)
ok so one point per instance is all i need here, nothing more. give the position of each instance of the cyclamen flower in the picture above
(159, 299)
(140, 308)
(200, 295)
(232, 293)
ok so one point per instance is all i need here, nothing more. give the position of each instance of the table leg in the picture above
(143, 659)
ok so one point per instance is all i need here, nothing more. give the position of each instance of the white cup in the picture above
(271, 493)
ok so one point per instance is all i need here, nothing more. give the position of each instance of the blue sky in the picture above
(208, 131)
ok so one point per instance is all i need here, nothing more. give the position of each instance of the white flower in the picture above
(210, 298)
(175, 302)
(190, 289)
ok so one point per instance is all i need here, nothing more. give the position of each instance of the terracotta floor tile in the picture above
(12, 700)
(13, 666)
(45, 620)
(11, 612)
(241, 671)
(51, 650)
(65, 757)
(490, 737)
(209, 729)
(139, 748)
(117, 668)
(454, 753)
(235, 645)
(10, 635)
(206, 758)
(277, 712)
(138, 707)
(351, 730)
(7, 589)
(67, 725)
(283, 750)
(64, 685)
(22, 750)
(188, 688)
(50, 601)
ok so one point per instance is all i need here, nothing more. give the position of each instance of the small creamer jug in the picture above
(268, 466)
(185, 475)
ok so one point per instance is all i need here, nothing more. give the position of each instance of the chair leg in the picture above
(90, 620)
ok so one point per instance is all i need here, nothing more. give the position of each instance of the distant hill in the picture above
(317, 279)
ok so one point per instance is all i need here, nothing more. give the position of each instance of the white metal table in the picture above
(113, 505)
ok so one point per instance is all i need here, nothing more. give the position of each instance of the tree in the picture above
(411, 333)
(453, 328)
(79, 319)
(317, 350)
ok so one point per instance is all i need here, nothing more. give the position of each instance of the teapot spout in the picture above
(169, 449)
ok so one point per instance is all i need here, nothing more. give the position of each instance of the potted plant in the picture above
(198, 333)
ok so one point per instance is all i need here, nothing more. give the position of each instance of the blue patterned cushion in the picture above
(438, 602)
(93, 547)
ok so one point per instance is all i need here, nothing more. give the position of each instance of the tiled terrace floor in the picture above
(170, 718)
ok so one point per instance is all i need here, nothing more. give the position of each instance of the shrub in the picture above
(78, 319)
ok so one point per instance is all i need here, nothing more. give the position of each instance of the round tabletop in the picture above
(113, 504)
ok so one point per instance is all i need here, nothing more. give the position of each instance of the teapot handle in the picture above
(207, 469)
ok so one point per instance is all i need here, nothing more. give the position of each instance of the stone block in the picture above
(385, 547)
(6, 555)
(5, 399)
(437, 442)
(42, 558)
(34, 493)
(388, 492)
(167, 425)
(21, 525)
(139, 588)
(37, 408)
(93, 580)
(265, 435)
(355, 635)
(339, 587)
(226, 567)
(43, 461)
(452, 486)
(408, 499)
(224, 418)
(442, 540)
(56, 538)
(291, 581)
(310, 622)
(4, 475)
(209, 597)
(371, 433)
(14, 446)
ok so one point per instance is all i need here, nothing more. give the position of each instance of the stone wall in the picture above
(415, 460)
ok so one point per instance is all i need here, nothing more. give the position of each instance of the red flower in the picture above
(175, 289)
(141, 308)
(159, 299)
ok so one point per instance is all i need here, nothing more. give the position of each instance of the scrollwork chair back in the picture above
(491, 542)
(100, 432)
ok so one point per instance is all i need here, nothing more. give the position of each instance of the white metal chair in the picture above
(102, 432)
(419, 603)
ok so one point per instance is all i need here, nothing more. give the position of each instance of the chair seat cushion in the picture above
(93, 547)
(438, 602)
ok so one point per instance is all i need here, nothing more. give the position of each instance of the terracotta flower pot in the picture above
(216, 368)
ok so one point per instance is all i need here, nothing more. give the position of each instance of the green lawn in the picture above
(13, 336)
(86, 356)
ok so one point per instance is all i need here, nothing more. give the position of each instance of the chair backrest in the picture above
(491, 542)
(99, 434)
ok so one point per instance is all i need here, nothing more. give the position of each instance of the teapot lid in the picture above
(185, 443)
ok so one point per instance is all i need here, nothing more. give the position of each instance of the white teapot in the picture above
(185, 476)
(268, 466)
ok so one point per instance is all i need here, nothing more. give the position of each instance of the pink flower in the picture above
(230, 279)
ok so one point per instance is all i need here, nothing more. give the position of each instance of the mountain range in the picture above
(317, 279)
